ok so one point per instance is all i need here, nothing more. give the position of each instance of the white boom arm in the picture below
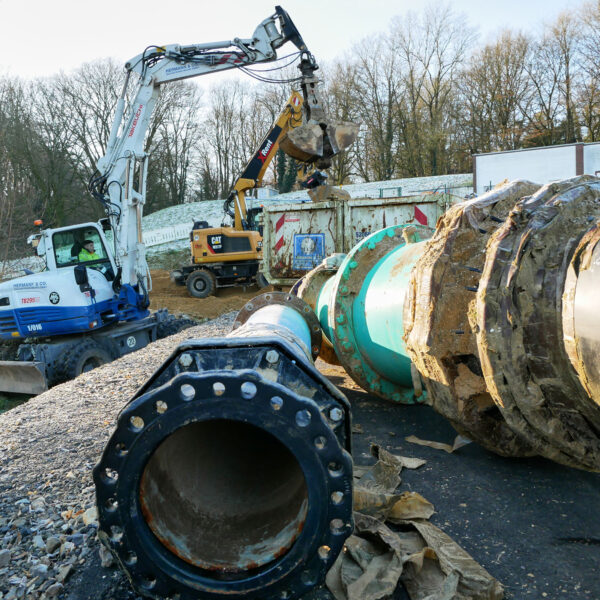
(121, 183)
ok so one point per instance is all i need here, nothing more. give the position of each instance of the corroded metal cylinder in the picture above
(229, 473)
(500, 324)
(532, 279)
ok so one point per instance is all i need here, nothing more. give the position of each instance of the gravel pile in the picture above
(48, 448)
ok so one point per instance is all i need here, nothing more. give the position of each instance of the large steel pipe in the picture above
(229, 473)
(535, 322)
(496, 312)
(360, 308)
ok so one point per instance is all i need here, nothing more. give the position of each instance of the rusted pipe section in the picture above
(229, 473)
(535, 326)
(500, 324)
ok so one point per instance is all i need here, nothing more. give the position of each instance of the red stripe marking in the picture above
(279, 223)
(279, 244)
(210, 249)
(420, 216)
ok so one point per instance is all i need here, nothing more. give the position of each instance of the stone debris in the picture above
(48, 448)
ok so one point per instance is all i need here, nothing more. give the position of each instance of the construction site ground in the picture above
(533, 524)
(166, 294)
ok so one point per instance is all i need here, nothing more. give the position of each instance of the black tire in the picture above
(201, 283)
(261, 281)
(83, 357)
(173, 326)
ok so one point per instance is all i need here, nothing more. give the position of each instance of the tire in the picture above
(201, 283)
(173, 326)
(83, 357)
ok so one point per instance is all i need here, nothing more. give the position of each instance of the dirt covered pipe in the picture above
(495, 313)
(229, 473)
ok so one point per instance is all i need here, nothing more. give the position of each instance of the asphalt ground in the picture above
(533, 524)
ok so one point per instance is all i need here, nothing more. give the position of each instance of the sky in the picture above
(44, 37)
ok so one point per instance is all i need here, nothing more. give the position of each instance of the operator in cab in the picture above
(87, 251)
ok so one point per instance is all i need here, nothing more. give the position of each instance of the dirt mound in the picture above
(166, 294)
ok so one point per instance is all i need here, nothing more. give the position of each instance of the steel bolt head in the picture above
(185, 360)
(336, 414)
(272, 356)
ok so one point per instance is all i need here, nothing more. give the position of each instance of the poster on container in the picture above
(309, 250)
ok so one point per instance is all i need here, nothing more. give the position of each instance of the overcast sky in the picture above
(43, 37)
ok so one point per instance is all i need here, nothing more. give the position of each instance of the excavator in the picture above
(231, 256)
(85, 310)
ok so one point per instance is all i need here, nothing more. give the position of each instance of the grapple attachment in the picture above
(319, 142)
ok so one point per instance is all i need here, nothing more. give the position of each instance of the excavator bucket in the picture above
(319, 143)
(22, 377)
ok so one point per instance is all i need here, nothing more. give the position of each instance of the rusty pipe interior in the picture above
(224, 496)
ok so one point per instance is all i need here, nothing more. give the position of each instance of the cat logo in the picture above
(215, 243)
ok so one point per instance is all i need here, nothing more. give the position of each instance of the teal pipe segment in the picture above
(360, 310)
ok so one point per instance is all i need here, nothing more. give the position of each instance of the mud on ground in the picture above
(166, 294)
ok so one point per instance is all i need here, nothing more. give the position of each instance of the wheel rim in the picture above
(200, 285)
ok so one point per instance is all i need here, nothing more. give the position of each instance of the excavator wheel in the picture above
(173, 326)
(201, 283)
(83, 357)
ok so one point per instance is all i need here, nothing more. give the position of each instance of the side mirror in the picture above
(81, 275)
(105, 224)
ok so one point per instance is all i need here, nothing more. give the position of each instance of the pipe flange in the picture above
(161, 568)
(284, 299)
(347, 286)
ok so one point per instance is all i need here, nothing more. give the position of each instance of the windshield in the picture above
(77, 246)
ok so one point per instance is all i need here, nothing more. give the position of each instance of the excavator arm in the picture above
(120, 183)
(253, 173)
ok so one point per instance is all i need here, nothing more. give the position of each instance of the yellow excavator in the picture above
(231, 256)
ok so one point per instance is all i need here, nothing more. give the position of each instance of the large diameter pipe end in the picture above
(224, 482)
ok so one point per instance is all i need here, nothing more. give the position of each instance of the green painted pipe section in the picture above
(378, 314)
(322, 307)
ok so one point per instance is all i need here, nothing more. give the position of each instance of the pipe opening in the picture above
(224, 496)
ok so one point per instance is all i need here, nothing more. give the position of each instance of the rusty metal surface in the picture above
(520, 336)
(439, 334)
(233, 482)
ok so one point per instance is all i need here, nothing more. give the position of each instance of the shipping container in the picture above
(297, 237)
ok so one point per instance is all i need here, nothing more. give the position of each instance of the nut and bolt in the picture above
(336, 414)
(272, 356)
(185, 360)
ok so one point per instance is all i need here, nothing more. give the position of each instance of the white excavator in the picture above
(90, 303)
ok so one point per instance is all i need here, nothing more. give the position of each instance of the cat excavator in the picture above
(231, 256)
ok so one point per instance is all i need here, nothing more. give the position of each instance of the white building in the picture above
(541, 165)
